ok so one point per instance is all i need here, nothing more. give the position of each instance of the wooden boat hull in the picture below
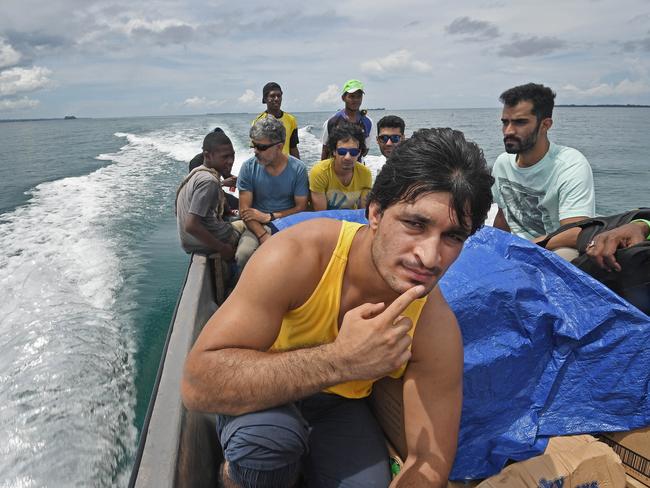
(177, 447)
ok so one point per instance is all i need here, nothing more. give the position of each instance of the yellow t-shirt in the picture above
(323, 179)
(316, 321)
(290, 126)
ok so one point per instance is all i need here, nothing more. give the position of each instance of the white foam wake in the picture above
(67, 338)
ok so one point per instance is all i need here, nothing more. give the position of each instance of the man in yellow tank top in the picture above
(327, 308)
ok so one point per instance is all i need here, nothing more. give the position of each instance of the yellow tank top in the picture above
(316, 321)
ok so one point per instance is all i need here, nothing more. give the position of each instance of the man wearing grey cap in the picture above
(272, 97)
(352, 96)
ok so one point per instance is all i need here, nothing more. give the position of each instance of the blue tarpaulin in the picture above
(548, 350)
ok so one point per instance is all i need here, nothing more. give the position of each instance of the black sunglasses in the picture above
(395, 138)
(263, 147)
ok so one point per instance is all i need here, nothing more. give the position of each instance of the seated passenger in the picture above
(329, 307)
(271, 184)
(200, 202)
(539, 185)
(390, 132)
(341, 181)
(228, 180)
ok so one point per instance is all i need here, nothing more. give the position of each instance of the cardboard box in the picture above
(633, 447)
(569, 462)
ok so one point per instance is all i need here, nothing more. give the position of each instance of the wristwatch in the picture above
(272, 216)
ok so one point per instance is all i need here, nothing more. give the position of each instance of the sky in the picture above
(107, 58)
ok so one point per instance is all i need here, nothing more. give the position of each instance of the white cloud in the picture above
(16, 80)
(248, 97)
(8, 55)
(398, 62)
(9, 105)
(625, 87)
(202, 102)
(330, 96)
(152, 26)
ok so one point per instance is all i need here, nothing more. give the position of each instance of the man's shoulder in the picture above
(296, 164)
(363, 169)
(311, 241)
(249, 163)
(260, 116)
(504, 159)
(322, 165)
(569, 155)
(290, 117)
(203, 175)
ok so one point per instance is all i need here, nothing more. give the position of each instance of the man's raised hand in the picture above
(373, 339)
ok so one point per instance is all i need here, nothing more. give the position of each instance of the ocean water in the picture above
(90, 265)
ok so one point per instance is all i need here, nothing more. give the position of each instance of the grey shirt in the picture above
(200, 196)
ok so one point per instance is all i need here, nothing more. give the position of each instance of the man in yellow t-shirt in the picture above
(341, 181)
(272, 96)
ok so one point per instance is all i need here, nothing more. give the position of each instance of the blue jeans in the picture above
(333, 441)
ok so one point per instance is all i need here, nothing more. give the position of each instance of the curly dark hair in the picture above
(343, 132)
(437, 160)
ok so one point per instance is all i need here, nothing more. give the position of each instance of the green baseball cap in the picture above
(351, 86)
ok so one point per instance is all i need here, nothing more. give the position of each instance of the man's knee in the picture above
(264, 448)
(567, 253)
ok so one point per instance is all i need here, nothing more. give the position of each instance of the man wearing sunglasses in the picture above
(328, 307)
(390, 132)
(271, 185)
(341, 181)
(352, 97)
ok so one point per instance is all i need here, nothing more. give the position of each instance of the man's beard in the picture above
(515, 145)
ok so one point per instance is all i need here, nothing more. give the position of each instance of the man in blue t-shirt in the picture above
(539, 185)
(271, 184)
(352, 97)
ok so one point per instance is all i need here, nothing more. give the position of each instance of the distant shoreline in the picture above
(567, 105)
(615, 105)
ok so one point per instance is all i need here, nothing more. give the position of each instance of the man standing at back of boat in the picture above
(352, 97)
(539, 185)
(325, 309)
(272, 97)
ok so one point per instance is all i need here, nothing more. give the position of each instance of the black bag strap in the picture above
(599, 224)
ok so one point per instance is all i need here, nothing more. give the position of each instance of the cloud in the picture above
(202, 102)
(8, 55)
(248, 97)
(330, 96)
(9, 105)
(625, 88)
(397, 62)
(168, 31)
(16, 80)
(531, 46)
(472, 30)
(640, 45)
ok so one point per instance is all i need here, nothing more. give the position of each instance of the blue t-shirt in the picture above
(274, 193)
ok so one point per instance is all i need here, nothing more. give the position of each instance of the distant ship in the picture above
(378, 108)
(69, 117)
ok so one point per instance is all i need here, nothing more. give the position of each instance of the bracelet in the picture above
(646, 222)
(271, 217)
(259, 237)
